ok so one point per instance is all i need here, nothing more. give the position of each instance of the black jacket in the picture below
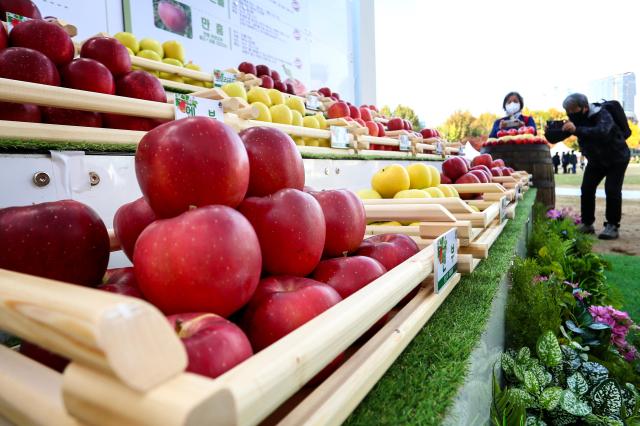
(600, 139)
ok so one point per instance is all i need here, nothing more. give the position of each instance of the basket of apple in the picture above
(525, 135)
(265, 282)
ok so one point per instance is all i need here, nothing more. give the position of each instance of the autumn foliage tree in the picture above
(405, 112)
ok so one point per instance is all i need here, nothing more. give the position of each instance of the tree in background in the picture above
(405, 112)
(482, 125)
(457, 128)
(634, 139)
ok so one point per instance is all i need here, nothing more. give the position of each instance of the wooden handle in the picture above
(379, 141)
(408, 212)
(333, 401)
(453, 205)
(476, 188)
(503, 179)
(176, 85)
(61, 97)
(248, 113)
(117, 334)
(30, 393)
(150, 64)
(214, 93)
(54, 132)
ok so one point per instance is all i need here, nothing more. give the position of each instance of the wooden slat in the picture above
(408, 212)
(150, 64)
(477, 188)
(57, 133)
(453, 205)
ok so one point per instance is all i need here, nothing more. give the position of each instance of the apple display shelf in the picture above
(237, 113)
(128, 365)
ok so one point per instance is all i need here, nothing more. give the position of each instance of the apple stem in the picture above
(178, 327)
(192, 207)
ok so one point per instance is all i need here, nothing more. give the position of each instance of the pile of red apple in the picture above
(270, 78)
(525, 135)
(40, 51)
(479, 170)
(226, 240)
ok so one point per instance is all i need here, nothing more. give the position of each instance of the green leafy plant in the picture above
(560, 387)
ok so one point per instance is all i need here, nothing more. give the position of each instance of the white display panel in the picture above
(88, 16)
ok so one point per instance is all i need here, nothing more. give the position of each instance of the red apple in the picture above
(427, 133)
(530, 130)
(274, 161)
(335, 95)
(43, 356)
(381, 131)
(480, 175)
(290, 89)
(482, 159)
(263, 70)
(469, 178)
(71, 117)
(61, 240)
(348, 274)
(21, 63)
(505, 171)
(125, 122)
(173, 16)
(354, 112)
(388, 249)
(325, 91)
(88, 74)
(455, 167)
(338, 110)
(345, 221)
(521, 130)
(4, 37)
(121, 281)
(365, 113)
(45, 37)
(512, 132)
(407, 125)
(445, 179)
(267, 82)
(278, 85)
(395, 124)
(194, 161)
(20, 7)
(20, 112)
(502, 133)
(129, 222)
(373, 128)
(361, 122)
(497, 163)
(482, 167)
(283, 303)
(275, 75)
(141, 85)
(214, 345)
(108, 51)
(206, 259)
(247, 68)
(291, 228)
(496, 171)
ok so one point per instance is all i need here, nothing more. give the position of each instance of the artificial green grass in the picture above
(623, 276)
(38, 146)
(421, 385)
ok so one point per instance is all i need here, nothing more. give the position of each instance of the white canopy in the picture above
(560, 147)
(470, 152)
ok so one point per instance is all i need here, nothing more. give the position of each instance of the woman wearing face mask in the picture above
(513, 105)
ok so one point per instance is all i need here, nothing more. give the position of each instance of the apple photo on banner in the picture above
(173, 16)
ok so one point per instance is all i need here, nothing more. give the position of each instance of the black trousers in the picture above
(593, 175)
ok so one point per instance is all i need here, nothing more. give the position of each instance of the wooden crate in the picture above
(128, 365)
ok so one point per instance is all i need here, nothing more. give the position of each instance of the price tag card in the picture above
(190, 106)
(445, 259)
(439, 148)
(14, 19)
(503, 208)
(461, 150)
(405, 143)
(223, 77)
(339, 137)
(312, 103)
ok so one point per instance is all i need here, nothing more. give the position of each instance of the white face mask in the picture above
(512, 108)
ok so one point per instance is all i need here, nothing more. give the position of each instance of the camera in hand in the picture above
(555, 124)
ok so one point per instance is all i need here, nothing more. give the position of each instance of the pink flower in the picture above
(540, 279)
(572, 285)
(554, 214)
(581, 295)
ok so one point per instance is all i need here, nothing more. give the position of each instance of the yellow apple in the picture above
(322, 120)
(235, 90)
(281, 114)
(263, 111)
(368, 194)
(435, 176)
(435, 192)
(296, 104)
(276, 96)
(194, 67)
(449, 191)
(173, 49)
(296, 118)
(130, 52)
(390, 180)
(474, 208)
(151, 44)
(311, 122)
(170, 76)
(259, 94)
(391, 223)
(298, 140)
(208, 84)
(419, 175)
(129, 40)
(325, 143)
(414, 224)
(149, 54)
(412, 193)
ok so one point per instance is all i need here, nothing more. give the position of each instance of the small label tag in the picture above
(405, 143)
(339, 137)
(461, 150)
(445, 261)
(190, 106)
(223, 77)
(439, 148)
(14, 19)
(503, 208)
(312, 103)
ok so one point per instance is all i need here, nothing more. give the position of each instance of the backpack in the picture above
(619, 117)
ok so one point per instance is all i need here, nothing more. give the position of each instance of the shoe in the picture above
(586, 229)
(610, 232)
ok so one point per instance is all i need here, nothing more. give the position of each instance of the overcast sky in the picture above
(439, 56)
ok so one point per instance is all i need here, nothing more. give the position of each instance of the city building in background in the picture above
(619, 87)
